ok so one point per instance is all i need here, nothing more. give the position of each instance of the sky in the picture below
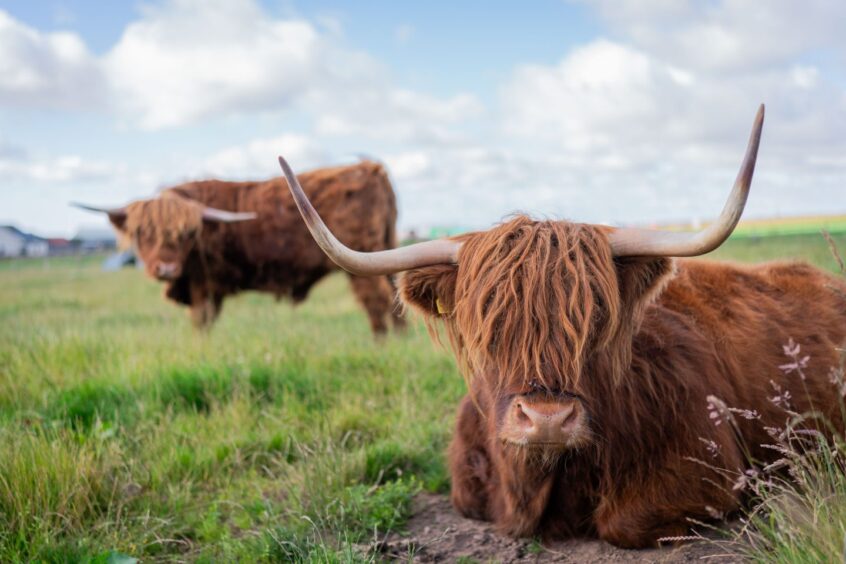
(621, 112)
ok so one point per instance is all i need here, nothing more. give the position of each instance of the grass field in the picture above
(284, 434)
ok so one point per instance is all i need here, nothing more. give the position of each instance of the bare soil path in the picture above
(436, 533)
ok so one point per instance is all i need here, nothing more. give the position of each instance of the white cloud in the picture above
(804, 76)
(651, 126)
(257, 159)
(46, 70)
(17, 165)
(726, 36)
(606, 97)
(188, 60)
(589, 101)
(381, 111)
(647, 123)
(410, 165)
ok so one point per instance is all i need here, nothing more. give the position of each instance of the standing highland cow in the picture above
(211, 239)
(590, 355)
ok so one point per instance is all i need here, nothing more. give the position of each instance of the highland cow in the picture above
(591, 354)
(211, 239)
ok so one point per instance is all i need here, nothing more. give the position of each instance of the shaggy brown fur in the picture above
(168, 219)
(273, 253)
(543, 307)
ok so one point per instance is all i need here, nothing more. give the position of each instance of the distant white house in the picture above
(16, 243)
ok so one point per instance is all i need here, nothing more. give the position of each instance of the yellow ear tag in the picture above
(441, 309)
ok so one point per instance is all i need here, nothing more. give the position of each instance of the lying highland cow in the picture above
(211, 239)
(590, 354)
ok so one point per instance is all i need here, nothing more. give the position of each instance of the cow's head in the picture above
(540, 314)
(165, 230)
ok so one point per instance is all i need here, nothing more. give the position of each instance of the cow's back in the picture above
(356, 202)
(750, 314)
(275, 251)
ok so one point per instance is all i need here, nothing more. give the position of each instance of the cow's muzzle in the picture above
(168, 271)
(557, 423)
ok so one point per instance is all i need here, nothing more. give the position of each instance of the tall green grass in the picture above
(797, 512)
(283, 434)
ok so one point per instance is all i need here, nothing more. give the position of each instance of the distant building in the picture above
(59, 246)
(93, 239)
(17, 243)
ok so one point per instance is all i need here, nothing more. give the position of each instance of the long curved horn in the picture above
(117, 212)
(223, 216)
(209, 213)
(649, 243)
(440, 251)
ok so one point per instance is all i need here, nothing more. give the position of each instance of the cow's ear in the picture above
(641, 280)
(118, 220)
(430, 290)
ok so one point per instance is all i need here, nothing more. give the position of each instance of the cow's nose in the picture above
(167, 270)
(555, 422)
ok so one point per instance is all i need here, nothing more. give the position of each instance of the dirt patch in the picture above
(436, 533)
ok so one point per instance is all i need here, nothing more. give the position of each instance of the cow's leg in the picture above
(469, 464)
(524, 485)
(635, 523)
(179, 291)
(375, 294)
(504, 485)
(397, 316)
(636, 515)
(216, 306)
(205, 306)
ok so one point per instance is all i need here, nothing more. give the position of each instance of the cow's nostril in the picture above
(569, 419)
(522, 417)
(548, 423)
(166, 269)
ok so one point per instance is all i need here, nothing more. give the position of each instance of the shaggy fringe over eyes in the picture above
(165, 219)
(532, 297)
